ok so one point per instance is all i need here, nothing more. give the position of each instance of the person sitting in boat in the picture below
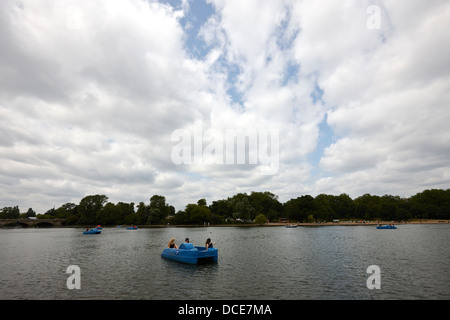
(172, 244)
(209, 244)
(186, 240)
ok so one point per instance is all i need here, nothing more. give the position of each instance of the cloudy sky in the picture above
(106, 97)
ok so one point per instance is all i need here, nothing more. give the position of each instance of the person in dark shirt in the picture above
(172, 244)
(209, 244)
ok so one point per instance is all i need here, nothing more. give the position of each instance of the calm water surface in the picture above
(254, 263)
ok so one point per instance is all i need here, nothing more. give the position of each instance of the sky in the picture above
(194, 99)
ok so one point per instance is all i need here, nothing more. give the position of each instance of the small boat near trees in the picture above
(92, 231)
(131, 228)
(188, 253)
(387, 227)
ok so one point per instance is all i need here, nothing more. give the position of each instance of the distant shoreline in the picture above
(309, 224)
(270, 224)
(303, 224)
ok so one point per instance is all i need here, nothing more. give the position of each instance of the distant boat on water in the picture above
(387, 227)
(92, 231)
(291, 226)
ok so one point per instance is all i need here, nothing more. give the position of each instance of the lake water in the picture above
(274, 263)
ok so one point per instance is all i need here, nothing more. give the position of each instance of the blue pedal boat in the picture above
(188, 253)
(92, 231)
(387, 227)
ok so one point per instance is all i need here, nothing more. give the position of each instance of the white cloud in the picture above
(390, 108)
(91, 92)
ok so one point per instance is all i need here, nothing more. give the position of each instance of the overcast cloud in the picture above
(91, 93)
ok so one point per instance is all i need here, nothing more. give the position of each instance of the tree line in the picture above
(257, 207)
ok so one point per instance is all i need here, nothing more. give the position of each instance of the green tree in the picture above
(431, 204)
(200, 214)
(89, 207)
(66, 210)
(127, 212)
(266, 203)
(323, 204)
(367, 207)
(110, 215)
(10, 213)
(300, 208)
(50, 213)
(243, 210)
(30, 213)
(343, 206)
(159, 210)
(403, 214)
(69, 212)
(142, 213)
(260, 219)
(388, 207)
(181, 217)
(222, 208)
